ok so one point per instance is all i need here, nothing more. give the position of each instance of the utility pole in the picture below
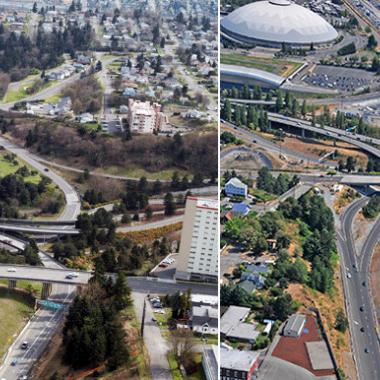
(143, 318)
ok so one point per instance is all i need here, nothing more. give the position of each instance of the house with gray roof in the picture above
(233, 325)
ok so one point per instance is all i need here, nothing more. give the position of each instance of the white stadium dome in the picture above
(274, 22)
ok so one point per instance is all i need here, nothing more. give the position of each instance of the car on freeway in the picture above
(364, 284)
(366, 350)
(73, 274)
(24, 345)
(362, 329)
(154, 319)
(69, 277)
(349, 275)
(361, 308)
(46, 169)
(11, 270)
(13, 362)
(163, 265)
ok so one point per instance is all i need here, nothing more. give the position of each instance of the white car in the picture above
(11, 270)
(73, 274)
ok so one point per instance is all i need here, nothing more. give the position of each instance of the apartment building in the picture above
(236, 187)
(198, 253)
(145, 117)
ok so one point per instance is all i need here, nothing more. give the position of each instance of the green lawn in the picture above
(14, 313)
(26, 285)
(7, 167)
(274, 66)
(176, 373)
(136, 172)
(20, 93)
(261, 195)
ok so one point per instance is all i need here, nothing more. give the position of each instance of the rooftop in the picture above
(237, 360)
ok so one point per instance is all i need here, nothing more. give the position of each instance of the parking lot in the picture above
(341, 78)
(166, 268)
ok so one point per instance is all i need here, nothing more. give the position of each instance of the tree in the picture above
(341, 321)
(169, 204)
(227, 111)
(149, 213)
(35, 8)
(350, 164)
(372, 43)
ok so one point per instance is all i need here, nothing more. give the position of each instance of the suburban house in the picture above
(295, 325)
(233, 325)
(254, 273)
(238, 364)
(235, 187)
(204, 320)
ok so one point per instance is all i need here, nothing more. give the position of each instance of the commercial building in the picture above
(145, 117)
(198, 253)
(276, 22)
(295, 325)
(238, 364)
(235, 187)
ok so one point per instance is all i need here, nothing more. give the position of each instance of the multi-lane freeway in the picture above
(355, 269)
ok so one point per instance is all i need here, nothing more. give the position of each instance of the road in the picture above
(360, 141)
(248, 136)
(41, 274)
(357, 295)
(58, 230)
(148, 226)
(72, 206)
(37, 333)
(157, 346)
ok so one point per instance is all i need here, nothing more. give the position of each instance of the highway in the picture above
(39, 230)
(37, 333)
(41, 274)
(72, 206)
(357, 294)
(249, 136)
(157, 224)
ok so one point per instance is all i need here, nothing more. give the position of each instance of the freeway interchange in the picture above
(355, 261)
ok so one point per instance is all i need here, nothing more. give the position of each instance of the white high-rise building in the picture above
(198, 253)
(144, 117)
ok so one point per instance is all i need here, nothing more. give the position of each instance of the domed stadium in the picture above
(274, 22)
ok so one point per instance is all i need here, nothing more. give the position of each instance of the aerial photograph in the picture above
(109, 212)
(299, 189)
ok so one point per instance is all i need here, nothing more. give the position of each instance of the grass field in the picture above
(26, 285)
(7, 167)
(136, 172)
(14, 312)
(19, 94)
(274, 66)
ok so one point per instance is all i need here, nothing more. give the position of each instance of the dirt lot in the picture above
(323, 147)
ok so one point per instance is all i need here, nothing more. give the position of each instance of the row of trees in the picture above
(195, 153)
(93, 332)
(275, 185)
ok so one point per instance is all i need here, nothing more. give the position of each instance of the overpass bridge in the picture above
(360, 141)
(48, 276)
(39, 230)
